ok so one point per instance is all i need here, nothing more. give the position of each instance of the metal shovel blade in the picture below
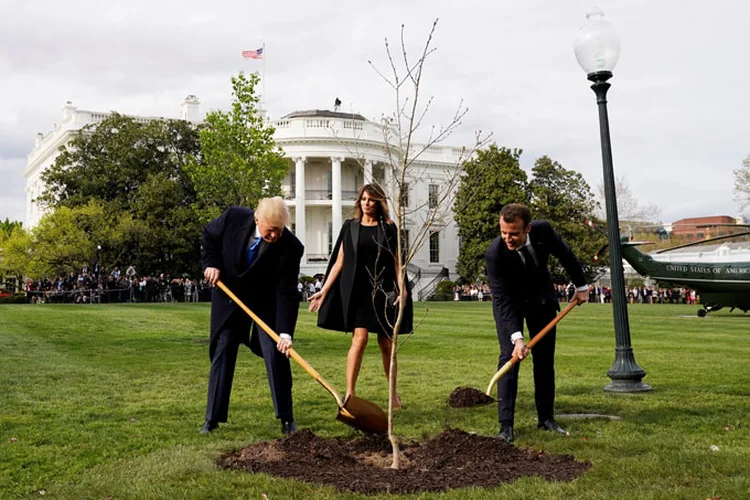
(363, 415)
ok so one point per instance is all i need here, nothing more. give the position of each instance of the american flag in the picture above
(253, 54)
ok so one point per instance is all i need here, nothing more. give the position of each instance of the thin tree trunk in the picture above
(396, 464)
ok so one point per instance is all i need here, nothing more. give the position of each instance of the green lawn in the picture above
(106, 401)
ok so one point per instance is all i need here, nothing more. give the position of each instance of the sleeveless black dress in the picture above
(368, 306)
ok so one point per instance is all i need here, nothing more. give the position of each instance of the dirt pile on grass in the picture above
(453, 459)
(468, 397)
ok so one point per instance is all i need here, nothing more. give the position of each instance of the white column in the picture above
(299, 200)
(387, 179)
(368, 172)
(336, 195)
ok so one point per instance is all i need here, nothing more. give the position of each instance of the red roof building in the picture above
(698, 228)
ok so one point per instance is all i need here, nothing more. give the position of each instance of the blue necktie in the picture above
(252, 252)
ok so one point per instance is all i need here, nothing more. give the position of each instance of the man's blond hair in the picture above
(273, 211)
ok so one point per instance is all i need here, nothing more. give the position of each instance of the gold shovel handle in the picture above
(507, 366)
(294, 355)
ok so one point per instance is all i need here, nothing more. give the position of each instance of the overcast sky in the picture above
(678, 106)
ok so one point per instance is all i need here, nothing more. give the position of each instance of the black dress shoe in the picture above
(208, 426)
(506, 434)
(551, 425)
(288, 426)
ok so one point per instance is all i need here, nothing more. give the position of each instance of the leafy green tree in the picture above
(564, 198)
(491, 179)
(67, 239)
(7, 227)
(166, 233)
(135, 171)
(110, 160)
(241, 160)
(14, 256)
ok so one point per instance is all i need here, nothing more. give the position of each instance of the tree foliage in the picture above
(65, 240)
(109, 161)
(166, 234)
(241, 160)
(490, 180)
(14, 247)
(742, 184)
(149, 183)
(132, 171)
(564, 198)
(7, 227)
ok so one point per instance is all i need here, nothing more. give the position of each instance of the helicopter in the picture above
(720, 274)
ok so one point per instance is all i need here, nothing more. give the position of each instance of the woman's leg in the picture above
(386, 347)
(354, 358)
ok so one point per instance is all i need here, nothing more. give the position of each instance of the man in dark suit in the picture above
(522, 288)
(258, 259)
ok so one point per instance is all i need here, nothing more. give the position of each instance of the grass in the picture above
(102, 401)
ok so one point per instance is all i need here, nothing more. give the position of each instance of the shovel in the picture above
(353, 411)
(476, 397)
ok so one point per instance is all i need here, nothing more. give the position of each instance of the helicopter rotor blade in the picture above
(707, 240)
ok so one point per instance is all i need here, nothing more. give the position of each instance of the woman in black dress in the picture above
(360, 290)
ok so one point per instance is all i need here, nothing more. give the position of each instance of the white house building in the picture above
(331, 155)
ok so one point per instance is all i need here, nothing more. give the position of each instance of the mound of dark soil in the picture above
(468, 397)
(453, 459)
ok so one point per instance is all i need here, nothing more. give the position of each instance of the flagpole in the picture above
(263, 76)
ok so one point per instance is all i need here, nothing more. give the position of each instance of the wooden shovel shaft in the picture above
(294, 355)
(507, 366)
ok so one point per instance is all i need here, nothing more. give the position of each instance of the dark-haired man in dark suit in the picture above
(257, 258)
(522, 289)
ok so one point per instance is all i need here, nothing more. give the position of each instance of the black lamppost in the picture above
(597, 49)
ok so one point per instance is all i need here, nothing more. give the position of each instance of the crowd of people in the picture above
(646, 295)
(471, 293)
(87, 287)
(102, 286)
(480, 292)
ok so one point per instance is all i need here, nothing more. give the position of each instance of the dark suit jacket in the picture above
(268, 287)
(334, 312)
(514, 292)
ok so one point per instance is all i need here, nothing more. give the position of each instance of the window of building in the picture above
(435, 247)
(433, 195)
(292, 181)
(329, 180)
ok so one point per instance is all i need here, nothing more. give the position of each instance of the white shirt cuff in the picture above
(584, 288)
(285, 336)
(515, 336)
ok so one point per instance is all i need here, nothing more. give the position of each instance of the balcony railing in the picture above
(321, 194)
(317, 257)
(318, 194)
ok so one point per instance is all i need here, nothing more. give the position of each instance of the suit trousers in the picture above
(543, 356)
(222, 374)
